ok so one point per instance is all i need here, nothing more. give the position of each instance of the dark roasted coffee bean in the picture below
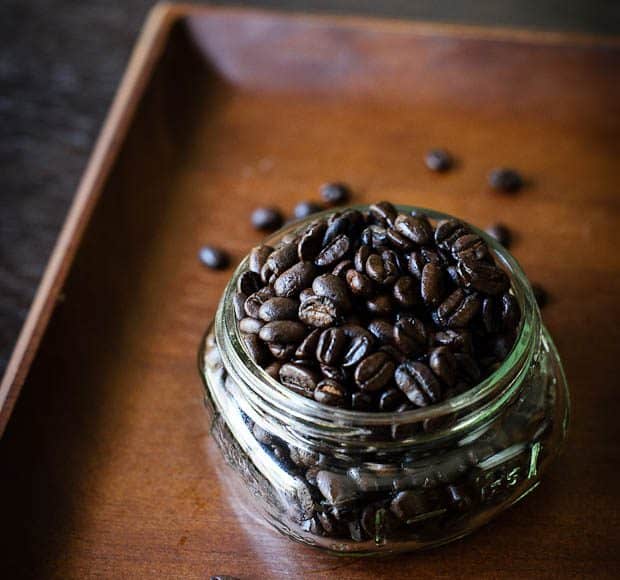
(511, 313)
(319, 312)
(359, 284)
(282, 352)
(306, 208)
(443, 364)
(453, 274)
(341, 268)
(256, 300)
(504, 179)
(456, 340)
(447, 231)
(469, 246)
(396, 355)
(307, 349)
(410, 505)
(406, 291)
(267, 218)
(283, 332)
(410, 336)
(343, 224)
(416, 229)
(375, 237)
(335, 373)
(398, 241)
(335, 193)
(311, 241)
(432, 284)
(382, 330)
(484, 277)
(294, 280)
(281, 259)
(383, 268)
(383, 212)
(390, 400)
(361, 255)
(500, 233)
(540, 294)
(330, 393)
(438, 160)
(418, 383)
(491, 314)
(458, 309)
(306, 294)
(257, 350)
(379, 305)
(248, 283)
(298, 378)
(273, 370)
(238, 305)
(250, 325)
(336, 488)
(331, 345)
(359, 344)
(361, 401)
(278, 308)
(416, 264)
(374, 372)
(214, 258)
(334, 288)
(258, 257)
(335, 251)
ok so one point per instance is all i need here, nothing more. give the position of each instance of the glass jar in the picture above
(360, 482)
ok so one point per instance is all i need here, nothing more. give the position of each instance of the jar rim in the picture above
(275, 393)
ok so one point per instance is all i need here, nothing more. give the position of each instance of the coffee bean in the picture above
(398, 241)
(298, 378)
(359, 284)
(306, 208)
(456, 340)
(382, 330)
(334, 251)
(501, 233)
(438, 160)
(416, 229)
(256, 349)
(335, 373)
(406, 291)
(335, 193)
(341, 268)
(506, 180)
(281, 259)
(390, 400)
(410, 336)
(306, 294)
(307, 348)
(239, 305)
(443, 364)
(295, 279)
(447, 231)
(273, 370)
(467, 367)
(331, 393)
(416, 263)
(380, 305)
(250, 325)
(409, 505)
(458, 309)
(248, 283)
(254, 301)
(331, 345)
(334, 288)
(319, 312)
(278, 308)
(311, 241)
(374, 372)
(258, 257)
(267, 218)
(214, 258)
(481, 276)
(470, 247)
(432, 285)
(383, 212)
(361, 401)
(418, 383)
(359, 344)
(361, 255)
(283, 331)
(540, 294)
(375, 237)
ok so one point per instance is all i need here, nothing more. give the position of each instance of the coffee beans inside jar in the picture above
(380, 306)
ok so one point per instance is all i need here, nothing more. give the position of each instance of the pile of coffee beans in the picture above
(377, 310)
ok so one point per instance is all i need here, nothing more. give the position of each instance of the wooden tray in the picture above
(106, 468)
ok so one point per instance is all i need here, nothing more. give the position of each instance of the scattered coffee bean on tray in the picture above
(501, 233)
(438, 160)
(305, 208)
(335, 193)
(541, 295)
(267, 218)
(506, 180)
(377, 310)
(214, 258)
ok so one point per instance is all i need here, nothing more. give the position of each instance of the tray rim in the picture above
(145, 54)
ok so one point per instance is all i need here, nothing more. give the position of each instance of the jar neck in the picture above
(307, 422)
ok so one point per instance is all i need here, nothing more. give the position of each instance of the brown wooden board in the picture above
(106, 466)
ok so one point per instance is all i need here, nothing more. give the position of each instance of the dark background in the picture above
(60, 62)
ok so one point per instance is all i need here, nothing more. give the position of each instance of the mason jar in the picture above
(378, 482)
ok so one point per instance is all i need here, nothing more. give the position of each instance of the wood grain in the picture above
(106, 466)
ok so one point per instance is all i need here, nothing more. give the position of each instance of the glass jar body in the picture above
(369, 483)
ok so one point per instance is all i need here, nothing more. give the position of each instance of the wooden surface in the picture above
(106, 466)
